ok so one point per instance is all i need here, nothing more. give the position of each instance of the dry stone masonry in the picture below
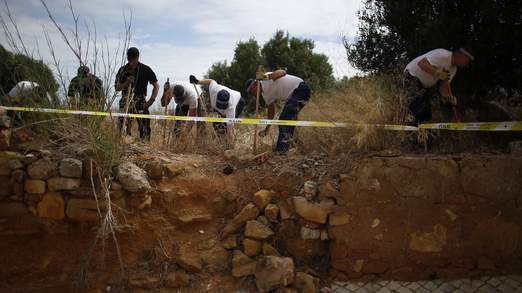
(37, 186)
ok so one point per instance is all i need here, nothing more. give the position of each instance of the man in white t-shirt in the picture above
(186, 100)
(227, 102)
(27, 93)
(281, 86)
(435, 69)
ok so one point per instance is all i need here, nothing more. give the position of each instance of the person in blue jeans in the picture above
(280, 86)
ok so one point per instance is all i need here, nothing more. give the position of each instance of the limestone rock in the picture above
(173, 170)
(306, 283)
(41, 169)
(315, 212)
(71, 168)
(82, 210)
(256, 230)
(132, 177)
(252, 247)
(242, 265)
(329, 190)
(8, 165)
(230, 242)
(310, 234)
(177, 279)
(249, 212)
(34, 186)
(189, 260)
(339, 219)
(216, 259)
(310, 189)
(154, 170)
(270, 250)
(52, 206)
(429, 242)
(144, 282)
(272, 212)
(188, 216)
(285, 210)
(273, 272)
(262, 198)
(263, 220)
(61, 183)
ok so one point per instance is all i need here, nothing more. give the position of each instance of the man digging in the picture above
(426, 73)
(280, 86)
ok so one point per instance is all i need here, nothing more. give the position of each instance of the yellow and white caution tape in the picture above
(468, 126)
(476, 126)
(248, 121)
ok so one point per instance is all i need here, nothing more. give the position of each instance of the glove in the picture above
(442, 74)
(149, 103)
(193, 79)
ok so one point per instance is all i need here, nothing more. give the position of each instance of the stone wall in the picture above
(427, 217)
(40, 188)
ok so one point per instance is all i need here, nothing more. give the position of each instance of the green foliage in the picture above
(393, 32)
(297, 56)
(281, 51)
(17, 67)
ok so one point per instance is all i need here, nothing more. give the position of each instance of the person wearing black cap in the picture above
(186, 100)
(136, 76)
(280, 86)
(85, 89)
(227, 102)
(426, 73)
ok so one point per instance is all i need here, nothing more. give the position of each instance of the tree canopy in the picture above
(393, 32)
(281, 51)
(18, 67)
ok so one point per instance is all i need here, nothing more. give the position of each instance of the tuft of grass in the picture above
(361, 101)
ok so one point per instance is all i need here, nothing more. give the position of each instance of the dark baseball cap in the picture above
(133, 52)
(223, 97)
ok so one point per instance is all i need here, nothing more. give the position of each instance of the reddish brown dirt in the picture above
(148, 238)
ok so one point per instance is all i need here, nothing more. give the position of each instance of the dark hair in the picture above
(179, 92)
(133, 52)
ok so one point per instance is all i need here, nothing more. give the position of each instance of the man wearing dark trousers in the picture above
(136, 76)
(428, 73)
(187, 103)
(227, 102)
(281, 86)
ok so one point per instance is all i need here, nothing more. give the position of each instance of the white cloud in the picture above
(180, 37)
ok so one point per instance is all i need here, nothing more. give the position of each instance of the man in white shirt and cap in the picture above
(433, 70)
(227, 102)
(186, 100)
(281, 86)
(25, 94)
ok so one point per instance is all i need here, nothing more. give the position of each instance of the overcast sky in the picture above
(181, 37)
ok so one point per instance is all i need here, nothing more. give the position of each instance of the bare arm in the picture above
(155, 90)
(271, 114)
(445, 89)
(205, 81)
(426, 66)
(276, 74)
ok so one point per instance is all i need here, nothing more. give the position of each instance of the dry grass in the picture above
(361, 101)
